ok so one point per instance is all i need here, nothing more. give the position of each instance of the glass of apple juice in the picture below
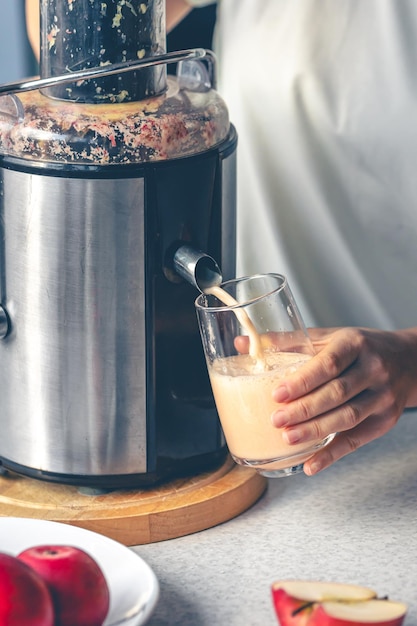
(253, 335)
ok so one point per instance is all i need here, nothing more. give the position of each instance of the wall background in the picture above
(16, 58)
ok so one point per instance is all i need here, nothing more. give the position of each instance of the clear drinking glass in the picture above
(253, 335)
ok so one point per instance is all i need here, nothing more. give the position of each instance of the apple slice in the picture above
(316, 603)
(295, 601)
(376, 612)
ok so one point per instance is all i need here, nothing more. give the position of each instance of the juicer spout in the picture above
(197, 267)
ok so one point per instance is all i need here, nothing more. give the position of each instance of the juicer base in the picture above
(167, 469)
(134, 517)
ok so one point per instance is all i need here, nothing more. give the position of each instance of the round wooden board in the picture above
(135, 517)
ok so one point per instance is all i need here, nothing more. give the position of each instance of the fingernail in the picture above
(281, 394)
(292, 436)
(314, 468)
(279, 419)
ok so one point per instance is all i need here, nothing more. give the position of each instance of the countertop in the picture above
(355, 522)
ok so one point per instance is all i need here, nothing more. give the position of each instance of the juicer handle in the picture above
(108, 70)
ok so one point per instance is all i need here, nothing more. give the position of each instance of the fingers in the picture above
(335, 393)
(242, 344)
(346, 417)
(346, 442)
(318, 333)
(320, 336)
(343, 396)
(328, 364)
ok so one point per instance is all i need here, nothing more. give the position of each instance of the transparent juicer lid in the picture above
(188, 118)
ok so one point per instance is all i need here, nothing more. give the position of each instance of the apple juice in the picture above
(242, 386)
(243, 396)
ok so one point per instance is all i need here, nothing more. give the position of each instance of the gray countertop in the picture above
(355, 522)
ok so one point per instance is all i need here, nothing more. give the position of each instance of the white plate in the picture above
(133, 586)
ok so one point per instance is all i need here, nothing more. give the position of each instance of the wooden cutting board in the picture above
(133, 517)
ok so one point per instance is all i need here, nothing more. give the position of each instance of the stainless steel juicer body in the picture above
(101, 181)
(104, 381)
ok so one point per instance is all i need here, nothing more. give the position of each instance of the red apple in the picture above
(313, 603)
(77, 584)
(291, 611)
(24, 597)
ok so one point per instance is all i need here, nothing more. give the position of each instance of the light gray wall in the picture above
(16, 59)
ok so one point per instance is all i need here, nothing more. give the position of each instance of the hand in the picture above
(357, 385)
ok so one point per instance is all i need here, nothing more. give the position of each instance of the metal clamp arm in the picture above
(106, 70)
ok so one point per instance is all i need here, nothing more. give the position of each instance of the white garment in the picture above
(323, 94)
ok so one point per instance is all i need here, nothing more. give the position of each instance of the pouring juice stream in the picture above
(255, 344)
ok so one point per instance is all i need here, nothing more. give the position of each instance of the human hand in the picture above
(357, 385)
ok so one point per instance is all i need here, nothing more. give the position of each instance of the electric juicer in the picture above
(110, 170)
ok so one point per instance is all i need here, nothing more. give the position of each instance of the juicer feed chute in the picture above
(102, 179)
(78, 35)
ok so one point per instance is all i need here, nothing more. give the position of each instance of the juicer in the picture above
(112, 176)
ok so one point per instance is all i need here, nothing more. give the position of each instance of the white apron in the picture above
(323, 94)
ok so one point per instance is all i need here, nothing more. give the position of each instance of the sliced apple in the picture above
(318, 591)
(291, 611)
(376, 612)
(296, 600)
(316, 603)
